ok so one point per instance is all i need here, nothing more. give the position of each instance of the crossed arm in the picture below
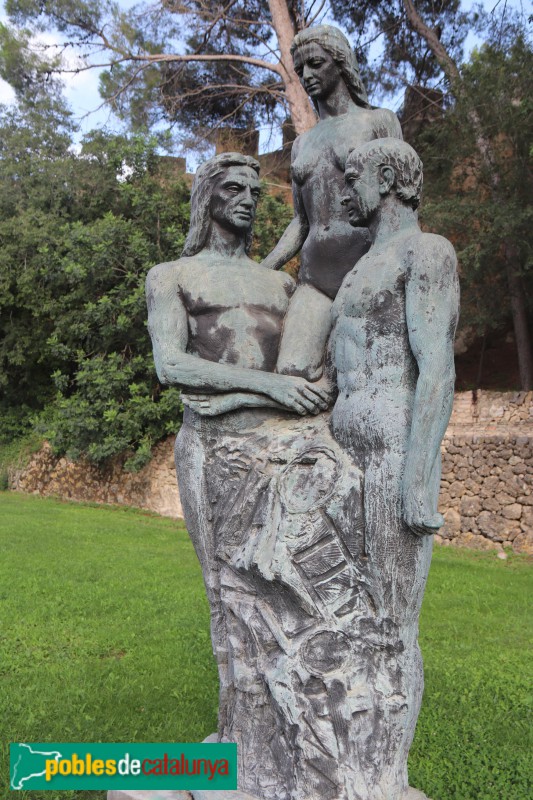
(168, 327)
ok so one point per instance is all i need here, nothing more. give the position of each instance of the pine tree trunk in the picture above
(518, 305)
(302, 113)
(520, 321)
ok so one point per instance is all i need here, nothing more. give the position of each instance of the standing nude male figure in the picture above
(391, 345)
(215, 318)
(328, 70)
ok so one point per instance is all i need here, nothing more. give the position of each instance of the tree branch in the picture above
(430, 36)
(169, 58)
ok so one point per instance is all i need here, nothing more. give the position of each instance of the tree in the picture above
(235, 63)
(481, 151)
(78, 234)
(405, 56)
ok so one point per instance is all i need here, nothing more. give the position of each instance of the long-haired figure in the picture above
(329, 246)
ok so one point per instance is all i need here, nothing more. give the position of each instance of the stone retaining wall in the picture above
(487, 475)
(487, 472)
(153, 488)
(487, 491)
(492, 411)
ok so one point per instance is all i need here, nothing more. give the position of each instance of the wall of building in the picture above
(487, 475)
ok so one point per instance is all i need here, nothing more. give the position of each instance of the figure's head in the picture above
(225, 190)
(376, 169)
(322, 56)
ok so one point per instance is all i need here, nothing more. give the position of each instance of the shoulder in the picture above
(385, 124)
(284, 280)
(167, 272)
(301, 139)
(289, 284)
(164, 281)
(432, 245)
(277, 278)
(162, 271)
(430, 255)
(296, 145)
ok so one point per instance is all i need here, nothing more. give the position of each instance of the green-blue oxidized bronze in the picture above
(309, 458)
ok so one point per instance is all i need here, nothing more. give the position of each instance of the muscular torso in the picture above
(333, 246)
(375, 366)
(235, 311)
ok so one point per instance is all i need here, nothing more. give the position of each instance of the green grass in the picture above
(105, 629)
(474, 735)
(104, 637)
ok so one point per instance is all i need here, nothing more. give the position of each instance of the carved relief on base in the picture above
(311, 670)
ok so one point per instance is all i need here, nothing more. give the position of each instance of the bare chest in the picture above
(215, 291)
(323, 151)
(372, 297)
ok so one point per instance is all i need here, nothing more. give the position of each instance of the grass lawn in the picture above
(104, 636)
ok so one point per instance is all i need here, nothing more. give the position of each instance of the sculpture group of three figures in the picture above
(309, 456)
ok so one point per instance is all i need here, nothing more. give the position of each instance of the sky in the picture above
(82, 94)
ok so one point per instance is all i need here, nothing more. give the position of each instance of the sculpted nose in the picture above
(247, 199)
(345, 199)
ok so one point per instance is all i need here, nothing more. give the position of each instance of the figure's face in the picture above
(362, 195)
(318, 72)
(234, 198)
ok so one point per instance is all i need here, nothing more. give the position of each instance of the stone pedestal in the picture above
(130, 794)
(147, 794)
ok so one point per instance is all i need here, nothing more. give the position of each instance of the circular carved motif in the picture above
(309, 480)
(325, 652)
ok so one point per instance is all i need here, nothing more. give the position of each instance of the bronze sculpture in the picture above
(329, 245)
(313, 526)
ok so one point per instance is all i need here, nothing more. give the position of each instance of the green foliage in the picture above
(483, 209)
(107, 639)
(14, 455)
(273, 216)
(115, 406)
(17, 453)
(404, 57)
(197, 95)
(28, 72)
(78, 234)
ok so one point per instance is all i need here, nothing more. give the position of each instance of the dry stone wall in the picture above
(486, 492)
(487, 475)
(153, 488)
(487, 472)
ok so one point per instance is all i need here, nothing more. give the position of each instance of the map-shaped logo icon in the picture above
(28, 763)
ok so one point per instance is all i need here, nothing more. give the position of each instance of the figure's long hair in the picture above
(335, 43)
(201, 197)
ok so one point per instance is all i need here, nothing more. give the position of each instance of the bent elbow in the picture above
(162, 373)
